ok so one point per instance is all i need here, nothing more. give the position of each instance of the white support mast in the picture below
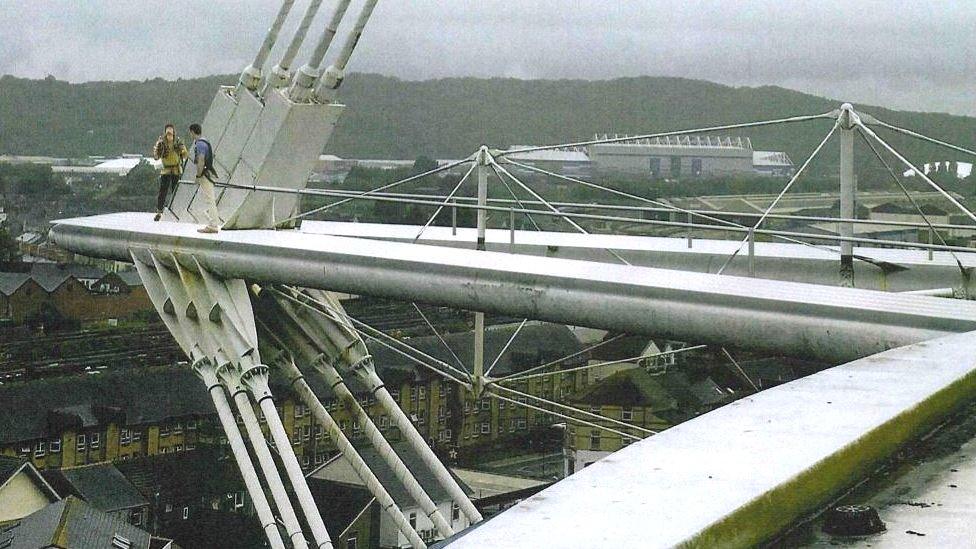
(848, 189)
(301, 87)
(330, 81)
(281, 73)
(348, 451)
(252, 75)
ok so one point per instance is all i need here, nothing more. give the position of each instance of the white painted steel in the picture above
(330, 81)
(239, 450)
(668, 489)
(830, 323)
(287, 328)
(348, 451)
(910, 269)
(848, 190)
(251, 77)
(205, 370)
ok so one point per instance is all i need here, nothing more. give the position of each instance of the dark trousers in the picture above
(167, 182)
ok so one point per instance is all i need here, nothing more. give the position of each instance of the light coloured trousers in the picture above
(207, 186)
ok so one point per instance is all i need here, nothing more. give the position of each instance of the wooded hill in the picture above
(449, 118)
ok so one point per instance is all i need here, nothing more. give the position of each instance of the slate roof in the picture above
(103, 487)
(183, 477)
(33, 410)
(629, 388)
(10, 282)
(131, 278)
(9, 467)
(72, 523)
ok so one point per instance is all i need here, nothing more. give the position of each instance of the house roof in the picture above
(33, 410)
(338, 470)
(9, 466)
(629, 388)
(131, 278)
(185, 476)
(104, 487)
(11, 282)
(72, 523)
(628, 346)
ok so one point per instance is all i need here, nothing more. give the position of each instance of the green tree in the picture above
(8, 247)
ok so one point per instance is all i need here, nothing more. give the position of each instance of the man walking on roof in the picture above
(203, 160)
(172, 152)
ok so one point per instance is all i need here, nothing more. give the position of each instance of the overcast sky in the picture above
(917, 55)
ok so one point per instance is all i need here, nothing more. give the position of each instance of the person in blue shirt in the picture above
(203, 160)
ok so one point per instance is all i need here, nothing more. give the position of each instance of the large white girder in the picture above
(830, 323)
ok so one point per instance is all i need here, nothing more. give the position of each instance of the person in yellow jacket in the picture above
(172, 152)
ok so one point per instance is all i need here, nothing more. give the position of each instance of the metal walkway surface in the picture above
(830, 323)
(905, 269)
(740, 474)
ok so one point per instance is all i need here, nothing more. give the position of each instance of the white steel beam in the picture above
(829, 323)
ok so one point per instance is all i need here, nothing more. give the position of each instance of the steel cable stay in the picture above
(378, 336)
(505, 348)
(563, 416)
(468, 386)
(870, 133)
(446, 201)
(597, 365)
(664, 205)
(915, 204)
(404, 181)
(782, 193)
(773, 122)
(556, 362)
(554, 210)
(875, 122)
(441, 339)
(740, 229)
(664, 208)
(573, 409)
(516, 198)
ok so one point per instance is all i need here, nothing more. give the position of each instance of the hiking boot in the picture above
(159, 215)
(209, 229)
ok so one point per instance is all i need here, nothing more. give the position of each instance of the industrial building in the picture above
(678, 157)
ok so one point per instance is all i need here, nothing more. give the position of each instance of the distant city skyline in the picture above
(899, 54)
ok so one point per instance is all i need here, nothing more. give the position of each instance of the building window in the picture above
(485, 404)
(186, 513)
(384, 421)
(299, 411)
(486, 428)
(696, 167)
(124, 437)
(351, 542)
(455, 512)
(422, 391)
(179, 448)
(81, 443)
(296, 437)
(135, 517)
(307, 432)
(238, 500)
(136, 436)
(305, 461)
(164, 431)
(627, 414)
(55, 446)
(191, 425)
(40, 449)
(655, 167)
(675, 166)
(413, 520)
(93, 442)
(178, 429)
(594, 440)
(395, 393)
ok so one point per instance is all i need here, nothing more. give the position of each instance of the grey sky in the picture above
(905, 54)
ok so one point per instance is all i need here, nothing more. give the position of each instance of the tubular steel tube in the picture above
(362, 469)
(241, 456)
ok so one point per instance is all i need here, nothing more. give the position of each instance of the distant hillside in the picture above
(391, 118)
